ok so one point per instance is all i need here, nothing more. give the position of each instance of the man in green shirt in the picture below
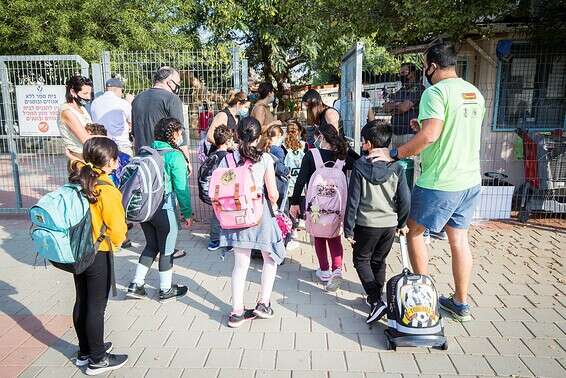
(446, 195)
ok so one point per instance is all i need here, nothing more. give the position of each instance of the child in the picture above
(161, 231)
(275, 135)
(123, 158)
(378, 206)
(92, 286)
(295, 153)
(331, 147)
(265, 236)
(223, 142)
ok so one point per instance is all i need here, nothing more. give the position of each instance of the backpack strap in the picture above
(317, 158)
(339, 164)
(230, 160)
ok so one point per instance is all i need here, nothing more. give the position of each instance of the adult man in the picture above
(446, 194)
(115, 113)
(153, 104)
(404, 104)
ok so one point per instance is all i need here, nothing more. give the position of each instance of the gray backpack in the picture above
(143, 184)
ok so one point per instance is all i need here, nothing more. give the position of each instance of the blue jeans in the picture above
(435, 209)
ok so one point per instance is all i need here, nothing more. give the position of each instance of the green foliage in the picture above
(91, 26)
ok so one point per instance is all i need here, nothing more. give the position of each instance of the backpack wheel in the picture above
(444, 346)
(389, 345)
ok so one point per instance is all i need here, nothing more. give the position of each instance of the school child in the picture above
(295, 147)
(161, 231)
(123, 158)
(330, 147)
(93, 285)
(265, 236)
(378, 207)
(224, 143)
(275, 142)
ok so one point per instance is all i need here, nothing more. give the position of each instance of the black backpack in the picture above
(205, 173)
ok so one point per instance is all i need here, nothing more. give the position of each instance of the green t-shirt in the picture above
(452, 163)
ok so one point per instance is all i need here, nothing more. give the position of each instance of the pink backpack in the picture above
(326, 198)
(236, 200)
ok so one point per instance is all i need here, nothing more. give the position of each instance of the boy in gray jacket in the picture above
(378, 205)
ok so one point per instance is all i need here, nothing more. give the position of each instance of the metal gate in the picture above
(351, 94)
(31, 166)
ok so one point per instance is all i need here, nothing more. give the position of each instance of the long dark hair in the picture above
(165, 129)
(249, 130)
(76, 83)
(312, 100)
(97, 153)
(331, 136)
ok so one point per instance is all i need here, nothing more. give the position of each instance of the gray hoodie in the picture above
(378, 196)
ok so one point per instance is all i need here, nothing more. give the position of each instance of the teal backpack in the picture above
(62, 229)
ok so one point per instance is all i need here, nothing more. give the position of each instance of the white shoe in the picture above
(323, 275)
(302, 225)
(292, 245)
(335, 280)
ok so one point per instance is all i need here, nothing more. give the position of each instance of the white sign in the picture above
(38, 109)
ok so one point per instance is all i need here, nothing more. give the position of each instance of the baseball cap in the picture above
(114, 83)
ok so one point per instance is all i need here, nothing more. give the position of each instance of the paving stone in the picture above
(476, 345)
(545, 347)
(514, 314)
(52, 357)
(343, 374)
(510, 346)
(543, 329)
(258, 359)
(200, 373)
(485, 314)
(224, 358)
(158, 357)
(471, 365)
(398, 363)
(184, 339)
(310, 341)
(57, 372)
(278, 341)
(372, 343)
(123, 338)
(328, 325)
(211, 339)
(511, 329)
(544, 367)
(189, 358)
(452, 328)
(148, 322)
(295, 325)
(293, 360)
(383, 375)
(152, 338)
(248, 340)
(164, 373)
(308, 374)
(272, 374)
(515, 301)
(480, 329)
(271, 325)
(130, 372)
(203, 323)
(545, 315)
(236, 373)
(325, 360)
(508, 366)
(363, 361)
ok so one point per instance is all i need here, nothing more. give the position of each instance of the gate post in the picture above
(245, 76)
(351, 93)
(97, 79)
(106, 72)
(236, 68)
(12, 147)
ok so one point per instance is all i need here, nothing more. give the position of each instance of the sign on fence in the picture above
(38, 109)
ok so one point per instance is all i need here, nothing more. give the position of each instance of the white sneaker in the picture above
(335, 280)
(323, 275)
(292, 245)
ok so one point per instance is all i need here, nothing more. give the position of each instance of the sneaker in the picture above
(335, 280)
(179, 253)
(264, 311)
(426, 236)
(229, 249)
(323, 275)
(82, 360)
(235, 321)
(439, 235)
(376, 312)
(136, 291)
(213, 246)
(174, 292)
(108, 363)
(460, 312)
(127, 243)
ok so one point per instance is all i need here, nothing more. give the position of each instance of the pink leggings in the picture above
(336, 252)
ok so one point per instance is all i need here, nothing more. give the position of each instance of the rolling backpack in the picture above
(413, 316)
(235, 198)
(326, 198)
(62, 229)
(205, 174)
(143, 184)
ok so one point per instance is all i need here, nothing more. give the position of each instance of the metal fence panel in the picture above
(350, 94)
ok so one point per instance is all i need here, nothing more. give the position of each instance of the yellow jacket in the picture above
(108, 210)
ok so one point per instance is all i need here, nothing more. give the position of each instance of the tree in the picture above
(89, 27)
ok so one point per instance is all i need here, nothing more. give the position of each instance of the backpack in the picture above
(143, 184)
(205, 173)
(62, 229)
(326, 198)
(236, 200)
(413, 316)
(293, 161)
(203, 150)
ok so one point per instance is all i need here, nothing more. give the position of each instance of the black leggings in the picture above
(92, 287)
(370, 251)
(160, 236)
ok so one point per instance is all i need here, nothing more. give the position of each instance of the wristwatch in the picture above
(394, 153)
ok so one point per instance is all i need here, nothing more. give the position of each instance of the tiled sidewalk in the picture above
(518, 298)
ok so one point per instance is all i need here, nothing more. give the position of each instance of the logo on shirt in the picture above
(469, 96)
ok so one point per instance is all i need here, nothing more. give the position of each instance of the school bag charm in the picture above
(326, 198)
(234, 196)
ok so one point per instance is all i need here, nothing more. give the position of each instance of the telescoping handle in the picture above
(404, 252)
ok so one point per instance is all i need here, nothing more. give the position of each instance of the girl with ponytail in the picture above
(265, 236)
(92, 286)
(161, 231)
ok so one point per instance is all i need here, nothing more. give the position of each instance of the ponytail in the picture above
(236, 97)
(337, 142)
(249, 131)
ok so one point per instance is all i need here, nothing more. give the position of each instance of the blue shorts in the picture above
(435, 209)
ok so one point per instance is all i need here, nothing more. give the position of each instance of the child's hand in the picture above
(351, 240)
(186, 224)
(295, 211)
(403, 231)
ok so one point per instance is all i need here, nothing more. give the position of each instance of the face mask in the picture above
(176, 89)
(81, 101)
(243, 113)
(278, 142)
(429, 76)
(271, 99)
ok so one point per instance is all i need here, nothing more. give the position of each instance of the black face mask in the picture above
(177, 88)
(81, 101)
(404, 79)
(429, 76)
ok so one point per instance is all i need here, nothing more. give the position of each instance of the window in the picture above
(462, 67)
(531, 88)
